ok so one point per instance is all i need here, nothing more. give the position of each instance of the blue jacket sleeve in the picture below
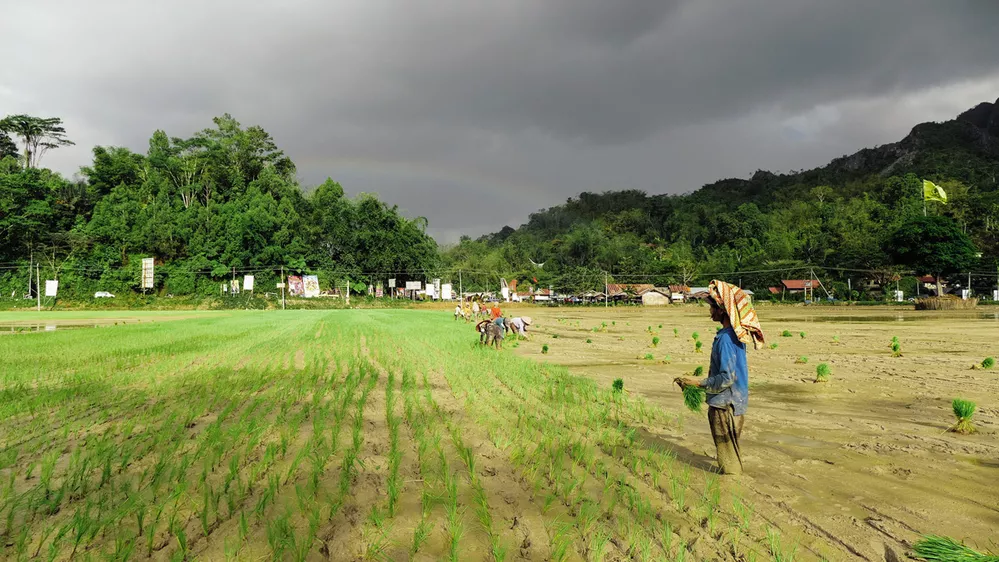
(726, 374)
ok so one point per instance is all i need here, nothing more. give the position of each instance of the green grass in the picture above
(251, 435)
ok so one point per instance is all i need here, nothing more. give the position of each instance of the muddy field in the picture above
(865, 460)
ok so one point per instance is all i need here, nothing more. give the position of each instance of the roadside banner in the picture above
(311, 286)
(446, 291)
(295, 286)
(413, 285)
(51, 287)
(248, 283)
(147, 273)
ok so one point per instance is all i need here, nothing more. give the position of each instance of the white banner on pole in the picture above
(414, 285)
(51, 287)
(446, 291)
(391, 283)
(147, 273)
(248, 283)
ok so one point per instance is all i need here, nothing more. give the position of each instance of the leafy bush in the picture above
(822, 372)
(963, 411)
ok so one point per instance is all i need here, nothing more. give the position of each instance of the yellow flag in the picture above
(933, 192)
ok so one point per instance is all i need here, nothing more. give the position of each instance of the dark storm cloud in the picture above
(448, 107)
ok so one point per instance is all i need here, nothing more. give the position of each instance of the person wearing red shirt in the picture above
(495, 312)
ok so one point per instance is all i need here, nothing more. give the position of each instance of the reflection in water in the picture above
(898, 317)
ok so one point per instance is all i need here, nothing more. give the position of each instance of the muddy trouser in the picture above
(726, 427)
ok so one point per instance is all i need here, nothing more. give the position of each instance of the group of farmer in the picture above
(495, 326)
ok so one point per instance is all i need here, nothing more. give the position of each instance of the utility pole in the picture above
(969, 284)
(38, 284)
(605, 290)
(282, 287)
(461, 287)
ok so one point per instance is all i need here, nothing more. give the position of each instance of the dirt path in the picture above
(864, 460)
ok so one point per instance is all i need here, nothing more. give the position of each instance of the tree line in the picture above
(226, 198)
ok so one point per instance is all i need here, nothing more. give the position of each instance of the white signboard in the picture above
(51, 287)
(437, 287)
(995, 295)
(505, 291)
(965, 293)
(280, 285)
(446, 291)
(248, 283)
(147, 273)
(311, 283)
(413, 285)
(234, 286)
(391, 283)
(431, 291)
(899, 296)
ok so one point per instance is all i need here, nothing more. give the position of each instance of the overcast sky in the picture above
(476, 113)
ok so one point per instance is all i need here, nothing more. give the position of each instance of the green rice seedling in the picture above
(896, 348)
(618, 385)
(835, 339)
(773, 345)
(822, 373)
(655, 341)
(801, 334)
(988, 362)
(963, 411)
(544, 349)
(598, 545)
(697, 346)
(648, 357)
(660, 326)
(934, 548)
(776, 551)
(786, 334)
(420, 535)
(676, 332)
(698, 371)
(555, 336)
(696, 336)
(588, 340)
(801, 360)
(668, 359)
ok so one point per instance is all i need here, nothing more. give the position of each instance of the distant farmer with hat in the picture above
(727, 384)
(518, 325)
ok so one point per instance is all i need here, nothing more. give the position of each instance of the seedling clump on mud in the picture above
(785, 334)
(773, 345)
(802, 334)
(676, 333)
(963, 411)
(588, 340)
(618, 385)
(896, 347)
(698, 345)
(988, 362)
(802, 360)
(822, 373)
(655, 341)
(544, 348)
(649, 357)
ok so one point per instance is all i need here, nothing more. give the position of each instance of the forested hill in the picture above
(841, 215)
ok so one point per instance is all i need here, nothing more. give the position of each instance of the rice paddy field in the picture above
(391, 435)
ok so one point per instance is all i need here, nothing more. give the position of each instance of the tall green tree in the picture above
(932, 245)
(37, 134)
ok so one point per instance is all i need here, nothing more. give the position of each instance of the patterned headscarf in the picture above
(740, 311)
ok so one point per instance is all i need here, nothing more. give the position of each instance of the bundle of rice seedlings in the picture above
(963, 411)
(655, 341)
(544, 348)
(676, 333)
(802, 334)
(894, 340)
(896, 349)
(693, 398)
(698, 371)
(835, 339)
(802, 360)
(988, 362)
(696, 336)
(668, 359)
(555, 336)
(660, 326)
(822, 373)
(697, 346)
(618, 385)
(649, 357)
(785, 334)
(588, 340)
(944, 549)
(773, 345)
